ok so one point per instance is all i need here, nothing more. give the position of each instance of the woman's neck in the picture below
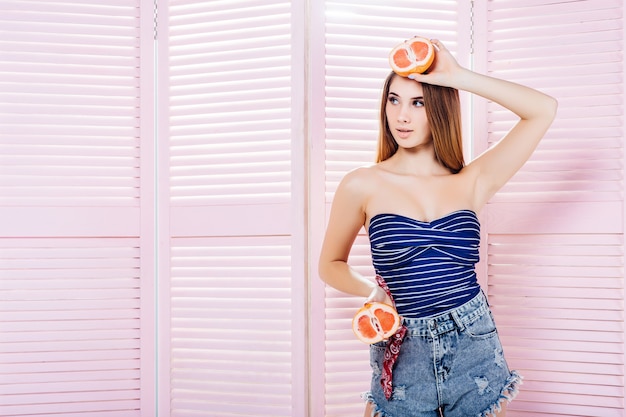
(416, 161)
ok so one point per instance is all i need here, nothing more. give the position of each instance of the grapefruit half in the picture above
(375, 322)
(414, 55)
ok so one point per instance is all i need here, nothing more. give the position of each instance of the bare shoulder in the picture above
(360, 181)
(354, 192)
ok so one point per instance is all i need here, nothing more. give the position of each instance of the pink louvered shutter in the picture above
(232, 263)
(555, 247)
(350, 69)
(75, 287)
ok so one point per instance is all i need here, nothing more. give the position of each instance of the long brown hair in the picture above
(443, 112)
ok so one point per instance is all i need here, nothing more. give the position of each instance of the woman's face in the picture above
(406, 115)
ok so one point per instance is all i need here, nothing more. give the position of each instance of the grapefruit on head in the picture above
(414, 55)
(375, 322)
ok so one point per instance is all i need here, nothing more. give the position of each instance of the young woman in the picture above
(418, 204)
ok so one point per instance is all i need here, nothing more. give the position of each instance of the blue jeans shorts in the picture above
(453, 362)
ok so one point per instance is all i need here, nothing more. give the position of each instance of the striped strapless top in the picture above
(428, 266)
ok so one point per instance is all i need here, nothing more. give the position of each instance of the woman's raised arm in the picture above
(535, 110)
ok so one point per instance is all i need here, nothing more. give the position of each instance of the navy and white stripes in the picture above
(428, 266)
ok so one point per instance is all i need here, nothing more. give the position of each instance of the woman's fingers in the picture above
(378, 295)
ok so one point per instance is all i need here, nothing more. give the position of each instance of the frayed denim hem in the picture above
(508, 393)
(376, 411)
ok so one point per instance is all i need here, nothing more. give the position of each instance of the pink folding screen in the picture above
(159, 237)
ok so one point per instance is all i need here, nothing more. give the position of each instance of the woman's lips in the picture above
(403, 133)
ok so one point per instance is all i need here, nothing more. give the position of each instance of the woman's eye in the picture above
(393, 100)
(418, 103)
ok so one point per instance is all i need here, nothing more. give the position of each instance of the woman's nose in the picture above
(403, 116)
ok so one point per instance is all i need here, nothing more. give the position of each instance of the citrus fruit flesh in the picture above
(385, 318)
(367, 328)
(414, 55)
(375, 322)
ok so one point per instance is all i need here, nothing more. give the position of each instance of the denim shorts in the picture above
(453, 362)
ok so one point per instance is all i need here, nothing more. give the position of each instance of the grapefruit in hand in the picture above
(412, 56)
(375, 322)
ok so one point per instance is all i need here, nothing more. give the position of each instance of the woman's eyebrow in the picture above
(391, 93)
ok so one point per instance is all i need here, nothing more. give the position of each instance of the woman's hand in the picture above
(378, 295)
(444, 69)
